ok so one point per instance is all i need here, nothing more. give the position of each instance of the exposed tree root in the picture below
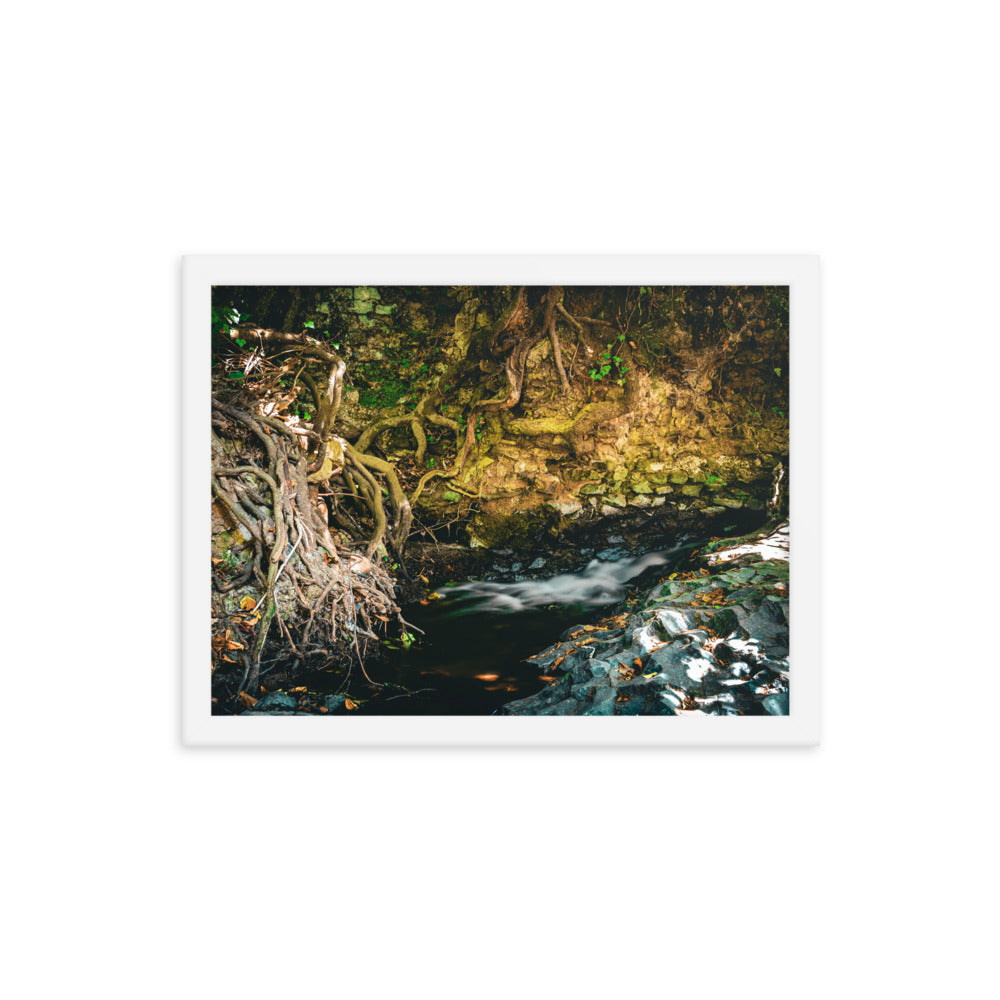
(552, 297)
(265, 476)
(548, 425)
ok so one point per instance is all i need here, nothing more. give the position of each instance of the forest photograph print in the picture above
(500, 500)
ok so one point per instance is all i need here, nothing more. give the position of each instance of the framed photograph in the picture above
(497, 500)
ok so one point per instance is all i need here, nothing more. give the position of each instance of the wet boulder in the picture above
(591, 670)
(275, 702)
(776, 704)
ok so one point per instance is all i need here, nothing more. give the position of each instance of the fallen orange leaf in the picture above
(247, 603)
(487, 677)
(350, 705)
(298, 690)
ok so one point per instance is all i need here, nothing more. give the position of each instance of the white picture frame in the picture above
(801, 727)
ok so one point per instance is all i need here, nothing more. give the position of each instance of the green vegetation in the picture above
(611, 364)
(385, 381)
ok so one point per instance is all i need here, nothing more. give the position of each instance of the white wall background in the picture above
(861, 131)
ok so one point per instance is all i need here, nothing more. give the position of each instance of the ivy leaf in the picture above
(242, 343)
(309, 325)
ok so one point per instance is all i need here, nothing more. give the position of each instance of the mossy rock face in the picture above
(499, 525)
(597, 440)
(232, 543)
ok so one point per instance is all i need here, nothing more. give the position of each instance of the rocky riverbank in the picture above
(711, 641)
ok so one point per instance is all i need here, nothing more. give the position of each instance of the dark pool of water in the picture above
(466, 663)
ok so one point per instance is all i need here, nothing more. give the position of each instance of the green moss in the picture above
(775, 570)
(725, 622)
(516, 530)
(386, 394)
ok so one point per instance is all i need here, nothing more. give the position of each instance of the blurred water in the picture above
(599, 583)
